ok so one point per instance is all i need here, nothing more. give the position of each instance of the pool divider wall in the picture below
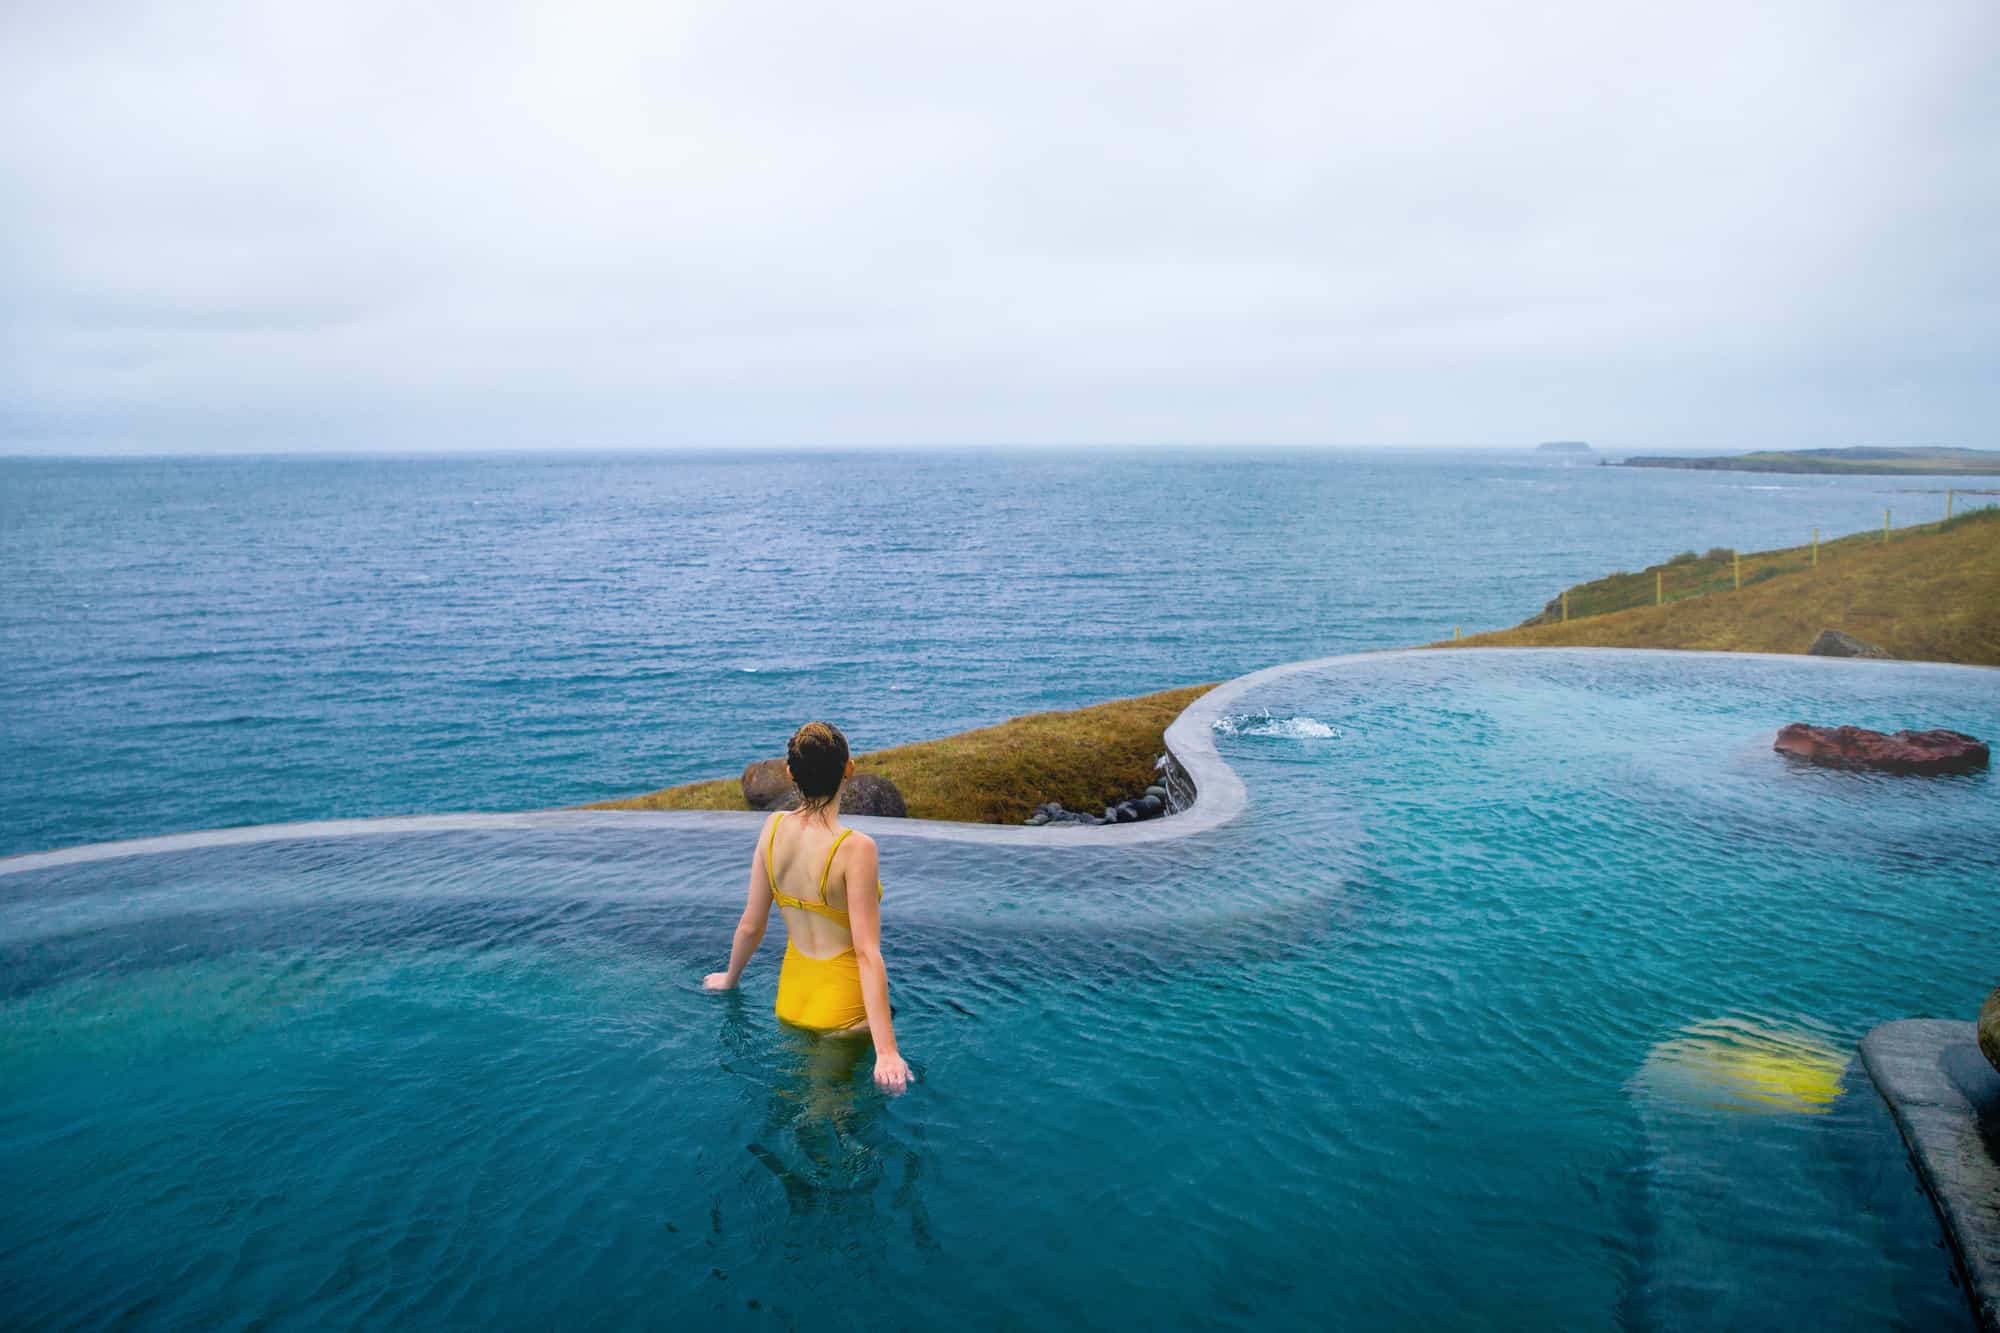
(1219, 794)
(1946, 1101)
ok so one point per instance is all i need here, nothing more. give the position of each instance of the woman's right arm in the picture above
(750, 928)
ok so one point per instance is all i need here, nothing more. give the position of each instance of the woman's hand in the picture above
(892, 1073)
(717, 981)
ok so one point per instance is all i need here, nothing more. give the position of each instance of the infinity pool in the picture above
(1521, 993)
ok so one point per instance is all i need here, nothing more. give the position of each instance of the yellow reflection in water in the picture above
(1744, 1065)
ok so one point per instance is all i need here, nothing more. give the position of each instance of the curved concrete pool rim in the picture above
(1943, 1094)
(1190, 739)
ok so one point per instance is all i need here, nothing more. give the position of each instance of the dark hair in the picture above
(817, 757)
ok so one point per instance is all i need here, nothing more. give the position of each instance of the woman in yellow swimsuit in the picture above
(824, 879)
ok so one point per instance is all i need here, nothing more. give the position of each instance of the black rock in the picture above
(872, 794)
(1150, 805)
(1833, 643)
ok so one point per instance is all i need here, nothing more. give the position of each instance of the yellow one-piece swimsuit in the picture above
(823, 994)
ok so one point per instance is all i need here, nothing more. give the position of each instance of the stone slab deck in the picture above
(1946, 1100)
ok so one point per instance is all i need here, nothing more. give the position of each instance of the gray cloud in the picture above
(246, 226)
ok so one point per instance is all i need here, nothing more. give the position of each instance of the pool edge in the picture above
(1220, 795)
(1912, 1063)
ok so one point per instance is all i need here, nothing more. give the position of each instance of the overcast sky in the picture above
(360, 225)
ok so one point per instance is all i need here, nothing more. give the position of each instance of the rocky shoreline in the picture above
(1169, 794)
(767, 785)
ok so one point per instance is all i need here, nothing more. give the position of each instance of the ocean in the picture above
(205, 642)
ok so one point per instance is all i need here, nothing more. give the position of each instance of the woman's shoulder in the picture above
(859, 861)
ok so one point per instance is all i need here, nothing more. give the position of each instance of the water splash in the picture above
(1265, 723)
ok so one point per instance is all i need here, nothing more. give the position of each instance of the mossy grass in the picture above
(1087, 758)
(1931, 592)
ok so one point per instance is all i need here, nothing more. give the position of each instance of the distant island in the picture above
(1563, 447)
(1857, 461)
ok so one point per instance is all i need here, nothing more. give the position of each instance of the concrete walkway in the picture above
(1946, 1100)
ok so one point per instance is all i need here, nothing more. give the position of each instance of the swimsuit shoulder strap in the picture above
(827, 869)
(770, 847)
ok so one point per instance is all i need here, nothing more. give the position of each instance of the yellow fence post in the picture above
(1659, 586)
(1565, 606)
(1947, 504)
(1739, 571)
(1885, 527)
(1815, 548)
(1454, 634)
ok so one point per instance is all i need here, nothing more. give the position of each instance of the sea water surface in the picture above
(193, 643)
(1522, 995)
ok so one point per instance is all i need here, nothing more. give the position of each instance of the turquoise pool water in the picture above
(1520, 995)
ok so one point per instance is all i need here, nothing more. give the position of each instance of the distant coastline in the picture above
(1862, 461)
(1564, 447)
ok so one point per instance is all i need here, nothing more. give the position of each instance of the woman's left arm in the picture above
(864, 917)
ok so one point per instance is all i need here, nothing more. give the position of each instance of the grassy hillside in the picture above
(1931, 592)
(1087, 758)
(1859, 461)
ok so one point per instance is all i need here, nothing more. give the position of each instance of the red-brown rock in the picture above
(1905, 752)
(767, 785)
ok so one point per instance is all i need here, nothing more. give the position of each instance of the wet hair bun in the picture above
(817, 757)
